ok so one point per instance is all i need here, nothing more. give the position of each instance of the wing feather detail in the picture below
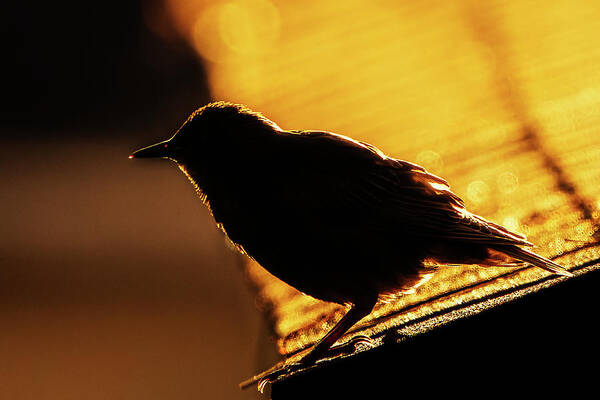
(385, 194)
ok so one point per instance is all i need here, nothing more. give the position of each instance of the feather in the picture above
(381, 193)
(534, 259)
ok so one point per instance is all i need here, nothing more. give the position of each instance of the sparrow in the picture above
(334, 217)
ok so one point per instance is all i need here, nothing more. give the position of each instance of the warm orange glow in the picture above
(438, 186)
(431, 160)
(454, 86)
(224, 31)
(478, 192)
(511, 223)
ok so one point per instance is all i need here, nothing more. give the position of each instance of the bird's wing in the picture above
(356, 181)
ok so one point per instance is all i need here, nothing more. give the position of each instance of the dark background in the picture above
(72, 65)
(114, 282)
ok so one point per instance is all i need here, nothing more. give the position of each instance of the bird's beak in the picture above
(156, 150)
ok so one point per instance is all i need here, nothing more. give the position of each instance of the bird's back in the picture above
(315, 203)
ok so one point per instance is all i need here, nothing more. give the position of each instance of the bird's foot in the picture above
(286, 369)
(313, 358)
(316, 355)
(352, 345)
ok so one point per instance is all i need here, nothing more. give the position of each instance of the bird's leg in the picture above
(358, 311)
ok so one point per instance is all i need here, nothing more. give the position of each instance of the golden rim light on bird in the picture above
(159, 150)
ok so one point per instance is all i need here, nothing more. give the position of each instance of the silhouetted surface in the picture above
(538, 345)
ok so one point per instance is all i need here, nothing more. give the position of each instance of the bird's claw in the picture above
(286, 369)
(347, 348)
(357, 342)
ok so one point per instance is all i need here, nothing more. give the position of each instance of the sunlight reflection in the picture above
(508, 182)
(431, 160)
(249, 27)
(478, 192)
(237, 28)
(511, 223)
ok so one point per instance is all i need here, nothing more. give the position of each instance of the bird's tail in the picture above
(532, 258)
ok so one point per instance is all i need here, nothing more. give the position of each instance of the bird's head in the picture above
(212, 131)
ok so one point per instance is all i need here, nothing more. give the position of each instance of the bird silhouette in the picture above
(333, 217)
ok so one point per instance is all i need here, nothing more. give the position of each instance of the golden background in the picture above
(500, 98)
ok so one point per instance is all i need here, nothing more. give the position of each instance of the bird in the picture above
(334, 217)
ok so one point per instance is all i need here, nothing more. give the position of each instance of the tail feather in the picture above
(532, 258)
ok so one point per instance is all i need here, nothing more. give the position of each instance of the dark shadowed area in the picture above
(114, 282)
